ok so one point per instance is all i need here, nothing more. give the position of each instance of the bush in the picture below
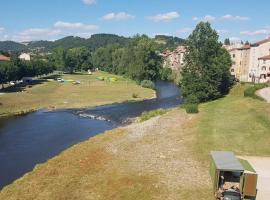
(135, 95)
(192, 99)
(192, 108)
(251, 90)
(166, 74)
(148, 84)
(148, 115)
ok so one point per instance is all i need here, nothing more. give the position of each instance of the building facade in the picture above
(174, 59)
(250, 62)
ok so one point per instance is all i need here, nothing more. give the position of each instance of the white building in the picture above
(258, 51)
(250, 62)
(25, 56)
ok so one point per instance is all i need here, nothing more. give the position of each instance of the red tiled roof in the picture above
(4, 58)
(262, 41)
(265, 57)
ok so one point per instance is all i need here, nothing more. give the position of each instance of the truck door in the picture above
(249, 184)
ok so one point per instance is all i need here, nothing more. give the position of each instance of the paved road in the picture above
(262, 167)
(265, 93)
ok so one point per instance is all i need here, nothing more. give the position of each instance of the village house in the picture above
(174, 59)
(240, 62)
(251, 62)
(4, 58)
(25, 56)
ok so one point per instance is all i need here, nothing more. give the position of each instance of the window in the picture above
(233, 55)
(232, 70)
(263, 68)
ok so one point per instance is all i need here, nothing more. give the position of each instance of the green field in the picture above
(166, 157)
(50, 94)
(236, 123)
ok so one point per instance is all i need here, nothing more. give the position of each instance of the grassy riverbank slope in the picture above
(166, 157)
(51, 94)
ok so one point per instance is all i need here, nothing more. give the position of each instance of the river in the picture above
(36, 137)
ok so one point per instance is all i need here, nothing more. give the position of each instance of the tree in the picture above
(227, 41)
(247, 43)
(205, 75)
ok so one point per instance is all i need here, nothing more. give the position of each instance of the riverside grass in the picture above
(103, 167)
(49, 94)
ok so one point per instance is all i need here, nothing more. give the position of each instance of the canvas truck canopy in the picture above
(226, 161)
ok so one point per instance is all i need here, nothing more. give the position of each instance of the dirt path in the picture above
(264, 93)
(262, 167)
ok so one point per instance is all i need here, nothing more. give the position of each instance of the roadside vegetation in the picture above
(251, 90)
(50, 94)
(150, 114)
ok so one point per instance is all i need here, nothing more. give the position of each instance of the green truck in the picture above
(233, 178)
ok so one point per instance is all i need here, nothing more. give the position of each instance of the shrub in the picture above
(148, 84)
(192, 99)
(135, 95)
(192, 108)
(251, 90)
(166, 74)
(148, 115)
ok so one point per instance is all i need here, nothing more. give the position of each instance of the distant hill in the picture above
(169, 41)
(94, 42)
(12, 46)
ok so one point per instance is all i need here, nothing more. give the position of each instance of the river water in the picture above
(34, 138)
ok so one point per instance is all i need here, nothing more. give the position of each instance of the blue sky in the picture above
(52, 19)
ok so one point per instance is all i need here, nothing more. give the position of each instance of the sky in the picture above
(30, 20)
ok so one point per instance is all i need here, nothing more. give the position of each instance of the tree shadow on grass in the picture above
(20, 87)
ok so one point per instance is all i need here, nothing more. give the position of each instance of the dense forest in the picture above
(94, 42)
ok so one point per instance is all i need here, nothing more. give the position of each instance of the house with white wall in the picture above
(25, 56)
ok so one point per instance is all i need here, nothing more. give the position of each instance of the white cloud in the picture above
(117, 16)
(256, 32)
(89, 2)
(2, 29)
(36, 34)
(234, 18)
(184, 30)
(166, 17)
(78, 25)
(40, 31)
(208, 18)
(227, 17)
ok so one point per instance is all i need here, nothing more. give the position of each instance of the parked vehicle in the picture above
(233, 178)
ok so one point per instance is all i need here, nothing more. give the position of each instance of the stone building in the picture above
(174, 59)
(250, 62)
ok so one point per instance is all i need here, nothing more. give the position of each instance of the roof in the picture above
(226, 161)
(265, 57)
(244, 47)
(4, 58)
(262, 41)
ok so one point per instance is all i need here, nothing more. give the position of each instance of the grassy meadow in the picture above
(50, 94)
(166, 157)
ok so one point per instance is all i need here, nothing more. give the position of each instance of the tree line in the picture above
(17, 69)
(138, 60)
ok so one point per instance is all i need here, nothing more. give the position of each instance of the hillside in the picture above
(94, 42)
(169, 41)
(12, 46)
